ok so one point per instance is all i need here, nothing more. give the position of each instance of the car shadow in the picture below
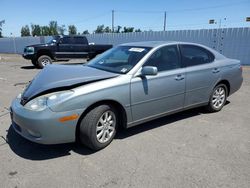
(34, 151)
(28, 67)
(164, 121)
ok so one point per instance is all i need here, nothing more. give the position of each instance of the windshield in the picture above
(53, 39)
(120, 59)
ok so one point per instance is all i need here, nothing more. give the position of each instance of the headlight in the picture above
(19, 96)
(30, 50)
(42, 102)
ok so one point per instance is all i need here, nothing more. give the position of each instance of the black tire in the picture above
(43, 61)
(88, 127)
(211, 107)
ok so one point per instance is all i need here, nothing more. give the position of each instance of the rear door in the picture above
(201, 74)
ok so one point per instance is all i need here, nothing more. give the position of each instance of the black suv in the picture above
(62, 48)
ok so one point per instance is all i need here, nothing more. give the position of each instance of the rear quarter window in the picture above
(195, 55)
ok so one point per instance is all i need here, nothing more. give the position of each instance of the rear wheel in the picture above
(43, 61)
(98, 127)
(218, 98)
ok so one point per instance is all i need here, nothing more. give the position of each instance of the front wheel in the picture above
(218, 98)
(43, 61)
(98, 127)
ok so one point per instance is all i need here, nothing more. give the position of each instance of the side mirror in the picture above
(149, 71)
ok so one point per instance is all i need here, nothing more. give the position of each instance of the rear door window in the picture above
(195, 55)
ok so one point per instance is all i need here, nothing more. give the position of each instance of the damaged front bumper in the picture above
(43, 127)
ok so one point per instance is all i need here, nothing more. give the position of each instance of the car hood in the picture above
(61, 77)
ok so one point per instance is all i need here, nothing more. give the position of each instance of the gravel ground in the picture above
(189, 149)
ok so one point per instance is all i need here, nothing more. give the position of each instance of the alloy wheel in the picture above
(105, 127)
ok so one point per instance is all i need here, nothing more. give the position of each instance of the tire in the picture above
(43, 61)
(94, 132)
(218, 98)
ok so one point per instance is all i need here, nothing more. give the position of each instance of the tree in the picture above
(86, 32)
(25, 31)
(61, 29)
(1, 24)
(107, 30)
(99, 29)
(137, 30)
(45, 31)
(35, 30)
(53, 26)
(128, 29)
(118, 30)
(72, 30)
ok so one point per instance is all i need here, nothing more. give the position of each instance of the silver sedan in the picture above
(127, 85)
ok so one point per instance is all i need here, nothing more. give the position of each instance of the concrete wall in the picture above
(231, 42)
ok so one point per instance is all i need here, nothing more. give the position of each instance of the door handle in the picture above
(179, 77)
(216, 70)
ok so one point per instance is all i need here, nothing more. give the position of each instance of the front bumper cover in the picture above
(43, 127)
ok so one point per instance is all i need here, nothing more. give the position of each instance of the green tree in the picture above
(72, 30)
(61, 29)
(99, 29)
(45, 30)
(86, 32)
(107, 30)
(53, 26)
(25, 31)
(35, 30)
(138, 30)
(128, 29)
(1, 24)
(118, 30)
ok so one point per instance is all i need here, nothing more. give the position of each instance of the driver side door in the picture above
(65, 48)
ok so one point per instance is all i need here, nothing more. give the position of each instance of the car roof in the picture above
(155, 44)
(149, 43)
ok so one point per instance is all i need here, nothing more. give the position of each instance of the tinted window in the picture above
(80, 40)
(66, 40)
(195, 55)
(166, 58)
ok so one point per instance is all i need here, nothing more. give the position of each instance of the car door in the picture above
(80, 47)
(65, 48)
(156, 95)
(201, 74)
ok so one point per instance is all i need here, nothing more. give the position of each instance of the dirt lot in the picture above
(189, 149)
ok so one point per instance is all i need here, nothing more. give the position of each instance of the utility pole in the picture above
(165, 19)
(113, 19)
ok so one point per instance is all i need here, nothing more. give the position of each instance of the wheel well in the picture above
(122, 116)
(44, 52)
(225, 82)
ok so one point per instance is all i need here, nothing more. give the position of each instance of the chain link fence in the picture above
(231, 42)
